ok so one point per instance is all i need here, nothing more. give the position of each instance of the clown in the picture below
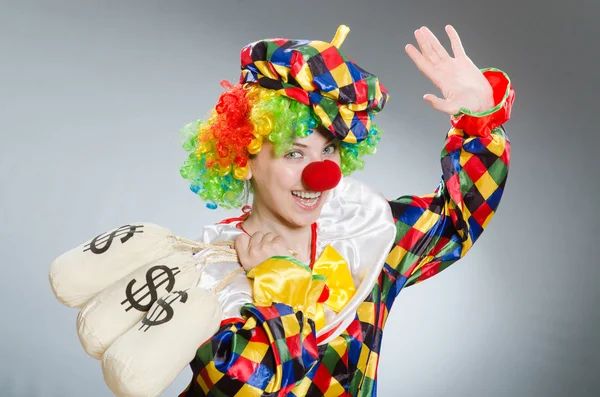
(301, 283)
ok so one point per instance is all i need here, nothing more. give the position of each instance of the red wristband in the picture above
(482, 123)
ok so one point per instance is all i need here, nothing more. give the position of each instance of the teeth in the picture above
(310, 195)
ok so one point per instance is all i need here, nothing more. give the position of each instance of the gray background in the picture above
(92, 96)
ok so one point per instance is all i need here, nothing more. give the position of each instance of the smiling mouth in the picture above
(307, 200)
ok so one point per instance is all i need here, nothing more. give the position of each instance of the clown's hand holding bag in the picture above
(300, 312)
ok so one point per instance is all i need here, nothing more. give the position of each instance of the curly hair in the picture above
(246, 115)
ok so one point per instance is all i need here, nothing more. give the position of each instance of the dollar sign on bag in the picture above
(163, 311)
(156, 276)
(126, 231)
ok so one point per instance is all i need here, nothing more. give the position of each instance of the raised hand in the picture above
(461, 82)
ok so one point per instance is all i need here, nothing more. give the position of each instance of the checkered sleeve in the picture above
(435, 230)
(272, 347)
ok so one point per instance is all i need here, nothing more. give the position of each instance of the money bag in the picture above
(141, 311)
(79, 274)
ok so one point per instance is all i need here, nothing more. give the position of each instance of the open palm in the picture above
(461, 82)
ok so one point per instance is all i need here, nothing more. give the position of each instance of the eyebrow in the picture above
(304, 146)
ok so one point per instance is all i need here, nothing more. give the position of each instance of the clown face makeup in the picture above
(279, 188)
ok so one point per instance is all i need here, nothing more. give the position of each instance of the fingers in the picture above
(426, 46)
(269, 242)
(256, 240)
(434, 43)
(457, 47)
(267, 238)
(279, 240)
(422, 63)
(442, 105)
(242, 241)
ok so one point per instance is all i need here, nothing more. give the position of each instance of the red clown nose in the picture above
(319, 176)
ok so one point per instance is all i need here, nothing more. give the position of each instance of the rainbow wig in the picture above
(246, 115)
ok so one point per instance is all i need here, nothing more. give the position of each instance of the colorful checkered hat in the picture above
(343, 96)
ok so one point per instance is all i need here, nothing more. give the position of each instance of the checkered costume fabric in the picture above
(273, 351)
(344, 96)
